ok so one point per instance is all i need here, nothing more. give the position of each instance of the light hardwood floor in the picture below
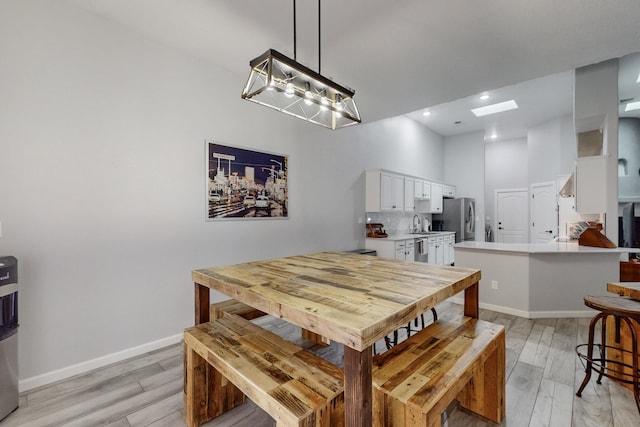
(543, 374)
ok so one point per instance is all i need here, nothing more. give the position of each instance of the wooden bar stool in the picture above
(622, 309)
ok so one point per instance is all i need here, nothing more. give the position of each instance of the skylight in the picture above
(632, 106)
(495, 108)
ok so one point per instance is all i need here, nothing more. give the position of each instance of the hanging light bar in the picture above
(283, 84)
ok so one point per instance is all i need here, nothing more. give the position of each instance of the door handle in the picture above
(549, 231)
(500, 228)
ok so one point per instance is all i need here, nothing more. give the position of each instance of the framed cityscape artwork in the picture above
(247, 184)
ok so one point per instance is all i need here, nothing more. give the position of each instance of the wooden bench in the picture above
(463, 359)
(239, 358)
(231, 306)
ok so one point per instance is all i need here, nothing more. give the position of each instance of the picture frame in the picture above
(243, 183)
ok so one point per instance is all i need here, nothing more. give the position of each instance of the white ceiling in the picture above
(402, 56)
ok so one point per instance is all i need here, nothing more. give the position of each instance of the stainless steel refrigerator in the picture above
(459, 215)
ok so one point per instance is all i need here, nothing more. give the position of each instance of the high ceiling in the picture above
(406, 55)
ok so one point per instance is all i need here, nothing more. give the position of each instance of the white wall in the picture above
(506, 166)
(464, 167)
(552, 149)
(334, 172)
(103, 183)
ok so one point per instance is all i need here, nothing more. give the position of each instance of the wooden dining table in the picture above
(351, 299)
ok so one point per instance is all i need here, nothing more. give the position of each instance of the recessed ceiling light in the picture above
(493, 136)
(495, 108)
(484, 96)
(632, 106)
(426, 113)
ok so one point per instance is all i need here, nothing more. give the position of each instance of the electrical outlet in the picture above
(360, 220)
(494, 284)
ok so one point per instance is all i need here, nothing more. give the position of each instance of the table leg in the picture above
(201, 304)
(471, 301)
(358, 387)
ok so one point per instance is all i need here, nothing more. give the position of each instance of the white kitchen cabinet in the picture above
(434, 203)
(422, 189)
(448, 191)
(449, 241)
(405, 250)
(398, 249)
(591, 192)
(409, 199)
(433, 250)
(384, 191)
(440, 250)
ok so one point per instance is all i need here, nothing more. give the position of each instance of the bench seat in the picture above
(239, 358)
(463, 359)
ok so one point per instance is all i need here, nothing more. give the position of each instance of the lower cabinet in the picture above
(405, 250)
(449, 241)
(439, 247)
(398, 249)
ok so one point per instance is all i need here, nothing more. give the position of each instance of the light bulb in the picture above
(288, 92)
(339, 104)
(307, 94)
(323, 103)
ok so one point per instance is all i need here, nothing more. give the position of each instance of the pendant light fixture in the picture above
(281, 83)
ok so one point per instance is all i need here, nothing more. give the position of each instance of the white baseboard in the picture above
(573, 314)
(89, 365)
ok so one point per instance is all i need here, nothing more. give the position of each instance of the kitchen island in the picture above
(536, 280)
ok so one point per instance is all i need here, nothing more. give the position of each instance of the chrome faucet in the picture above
(415, 226)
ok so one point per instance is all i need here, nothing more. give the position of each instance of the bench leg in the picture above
(485, 392)
(195, 393)
(318, 339)
(207, 393)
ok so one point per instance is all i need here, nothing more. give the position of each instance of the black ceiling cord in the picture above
(319, 37)
(294, 34)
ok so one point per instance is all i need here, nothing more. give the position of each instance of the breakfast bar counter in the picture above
(351, 299)
(535, 280)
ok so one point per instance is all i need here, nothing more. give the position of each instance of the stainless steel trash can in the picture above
(8, 335)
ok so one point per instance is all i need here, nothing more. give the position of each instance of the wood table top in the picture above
(350, 298)
(626, 289)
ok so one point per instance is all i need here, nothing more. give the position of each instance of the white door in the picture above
(512, 215)
(544, 212)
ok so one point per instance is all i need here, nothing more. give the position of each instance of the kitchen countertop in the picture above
(539, 248)
(409, 236)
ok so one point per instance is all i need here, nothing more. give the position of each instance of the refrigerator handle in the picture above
(470, 219)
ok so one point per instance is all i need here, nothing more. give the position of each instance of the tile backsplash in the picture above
(396, 222)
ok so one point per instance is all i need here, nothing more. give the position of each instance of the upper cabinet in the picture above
(448, 191)
(590, 184)
(435, 202)
(422, 189)
(393, 192)
(384, 191)
(409, 190)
